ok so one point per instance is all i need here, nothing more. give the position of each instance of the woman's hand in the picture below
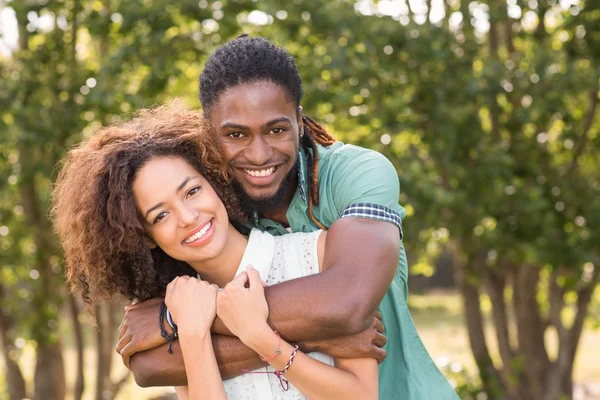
(242, 309)
(192, 304)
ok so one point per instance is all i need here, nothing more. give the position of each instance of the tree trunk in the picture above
(530, 330)
(14, 378)
(49, 377)
(78, 337)
(106, 315)
(102, 358)
(474, 322)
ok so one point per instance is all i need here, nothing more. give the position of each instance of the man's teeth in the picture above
(260, 172)
(198, 235)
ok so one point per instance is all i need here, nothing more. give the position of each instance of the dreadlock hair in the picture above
(248, 59)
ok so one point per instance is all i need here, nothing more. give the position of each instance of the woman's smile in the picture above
(200, 235)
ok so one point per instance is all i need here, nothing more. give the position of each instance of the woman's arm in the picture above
(244, 310)
(204, 380)
(349, 379)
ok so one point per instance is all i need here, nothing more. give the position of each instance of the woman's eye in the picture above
(159, 217)
(193, 191)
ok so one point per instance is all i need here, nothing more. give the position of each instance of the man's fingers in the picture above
(126, 357)
(378, 316)
(122, 342)
(380, 355)
(379, 325)
(380, 340)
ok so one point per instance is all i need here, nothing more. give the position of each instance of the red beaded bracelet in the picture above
(277, 350)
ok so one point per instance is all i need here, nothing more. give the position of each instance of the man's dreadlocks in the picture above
(253, 59)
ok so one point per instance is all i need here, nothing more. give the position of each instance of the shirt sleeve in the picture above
(366, 185)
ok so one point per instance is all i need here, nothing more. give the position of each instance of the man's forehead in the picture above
(262, 100)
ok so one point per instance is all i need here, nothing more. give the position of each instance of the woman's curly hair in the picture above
(94, 211)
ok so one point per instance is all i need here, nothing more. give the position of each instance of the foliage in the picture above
(488, 111)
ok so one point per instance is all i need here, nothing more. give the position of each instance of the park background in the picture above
(488, 110)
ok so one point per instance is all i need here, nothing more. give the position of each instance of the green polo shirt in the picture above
(350, 175)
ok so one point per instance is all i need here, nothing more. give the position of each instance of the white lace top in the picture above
(277, 259)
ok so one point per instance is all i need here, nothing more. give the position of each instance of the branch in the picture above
(495, 284)
(584, 297)
(587, 124)
(556, 298)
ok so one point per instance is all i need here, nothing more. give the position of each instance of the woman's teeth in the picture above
(261, 172)
(198, 235)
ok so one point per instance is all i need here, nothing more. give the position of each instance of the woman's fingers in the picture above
(254, 279)
(239, 281)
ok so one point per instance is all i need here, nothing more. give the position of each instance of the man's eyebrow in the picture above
(185, 181)
(276, 121)
(233, 125)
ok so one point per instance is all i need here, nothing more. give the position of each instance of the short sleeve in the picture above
(366, 185)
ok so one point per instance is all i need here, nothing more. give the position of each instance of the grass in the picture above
(437, 316)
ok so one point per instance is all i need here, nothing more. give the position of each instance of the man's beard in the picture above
(266, 204)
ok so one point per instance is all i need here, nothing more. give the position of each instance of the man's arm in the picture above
(361, 257)
(156, 367)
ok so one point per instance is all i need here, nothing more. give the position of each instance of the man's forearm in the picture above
(343, 299)
(156, 367)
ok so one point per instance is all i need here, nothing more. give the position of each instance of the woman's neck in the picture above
(221, 269)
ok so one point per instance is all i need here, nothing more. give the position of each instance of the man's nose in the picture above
(259, 152)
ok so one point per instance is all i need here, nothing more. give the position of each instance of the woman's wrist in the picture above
(187, 329)
(262, 340)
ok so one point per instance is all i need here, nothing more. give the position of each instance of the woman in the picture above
(140, 205)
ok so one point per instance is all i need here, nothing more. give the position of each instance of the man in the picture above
(293, 176)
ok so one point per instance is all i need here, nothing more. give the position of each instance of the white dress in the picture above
(277, 259)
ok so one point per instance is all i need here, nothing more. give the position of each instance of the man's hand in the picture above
(139, 330)
(367, 344)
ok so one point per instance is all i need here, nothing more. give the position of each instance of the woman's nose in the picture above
(187, 216)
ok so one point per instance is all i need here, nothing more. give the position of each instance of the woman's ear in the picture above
(150, 242)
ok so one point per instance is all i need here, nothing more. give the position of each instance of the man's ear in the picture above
(300, 121)
(150, 242)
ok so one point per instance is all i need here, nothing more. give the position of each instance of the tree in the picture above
(487, 109)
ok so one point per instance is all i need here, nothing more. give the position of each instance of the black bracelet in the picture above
(163, 331)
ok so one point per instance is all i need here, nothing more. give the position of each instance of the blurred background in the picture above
(488, 109)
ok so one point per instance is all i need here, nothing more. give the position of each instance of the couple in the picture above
(156, 215)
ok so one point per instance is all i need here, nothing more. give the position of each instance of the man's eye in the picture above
(235, 135)
(277, 131)
(193, 191)
(159, 217)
